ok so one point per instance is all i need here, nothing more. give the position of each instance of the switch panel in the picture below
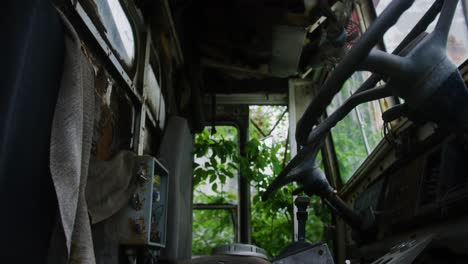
(146, 214)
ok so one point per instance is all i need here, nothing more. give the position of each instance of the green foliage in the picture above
(221, 163)
(211, 228)
(217, 156)
(271, 220)
(261, 161)
(349, 146)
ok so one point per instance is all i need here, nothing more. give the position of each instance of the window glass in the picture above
(117, 28)
(215, 182)
(356, 136)
(211, 228)
(155, 98)
(458, 37)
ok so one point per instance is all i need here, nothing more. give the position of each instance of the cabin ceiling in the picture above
(245, 46)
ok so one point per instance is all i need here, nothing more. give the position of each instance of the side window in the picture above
(458, 37)
(111, 20)
(356, 136)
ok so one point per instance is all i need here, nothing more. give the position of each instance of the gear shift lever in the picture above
(302, 251)
(302, 202)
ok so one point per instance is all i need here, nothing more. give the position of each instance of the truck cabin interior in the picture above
(236, 131)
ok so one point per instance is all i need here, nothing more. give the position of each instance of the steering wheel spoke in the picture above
(356, 99)
(386, 64)
(444, 24)
(410, 77)
(348, 65)
(304, 159)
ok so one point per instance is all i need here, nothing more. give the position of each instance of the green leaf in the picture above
(212, 178)
(222, 178)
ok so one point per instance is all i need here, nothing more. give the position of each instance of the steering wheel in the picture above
(421, 73)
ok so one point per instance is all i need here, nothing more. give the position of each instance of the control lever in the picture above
(301, 202)
(302, 251)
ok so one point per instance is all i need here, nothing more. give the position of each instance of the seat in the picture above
(176, 155)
